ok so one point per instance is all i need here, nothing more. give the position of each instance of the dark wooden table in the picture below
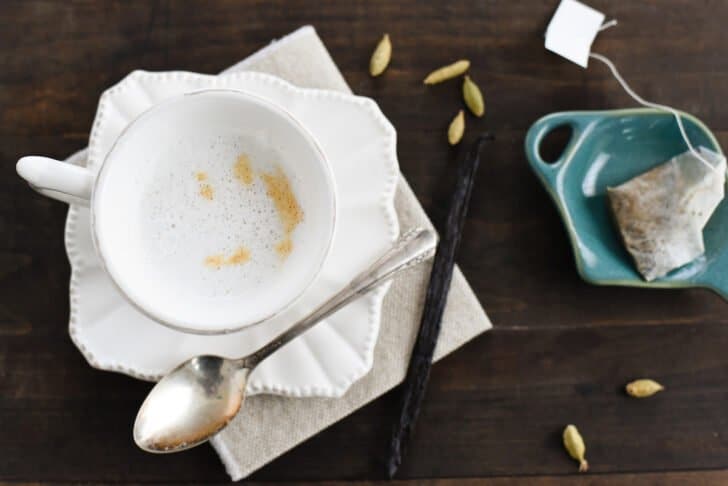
(560, 351)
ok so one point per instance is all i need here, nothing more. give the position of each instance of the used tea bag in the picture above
(661, 213)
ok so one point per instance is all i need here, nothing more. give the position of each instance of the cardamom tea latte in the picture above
(224, 223)
(210, 211)
(230, 212)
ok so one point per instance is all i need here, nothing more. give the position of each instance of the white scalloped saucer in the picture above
(360, 144)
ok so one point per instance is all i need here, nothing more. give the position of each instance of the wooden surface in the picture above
(561, 349)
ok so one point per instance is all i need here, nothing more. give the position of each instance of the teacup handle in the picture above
(578, 121)
(57, 180)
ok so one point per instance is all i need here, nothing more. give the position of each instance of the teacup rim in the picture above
(173, 322)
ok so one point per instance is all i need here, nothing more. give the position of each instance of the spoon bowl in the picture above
(193, 402)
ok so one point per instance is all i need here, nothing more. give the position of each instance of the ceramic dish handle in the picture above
(577, 121)
(57, 180)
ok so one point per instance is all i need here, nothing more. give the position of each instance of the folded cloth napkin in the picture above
(269, 425)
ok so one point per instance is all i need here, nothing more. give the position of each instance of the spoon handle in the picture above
(413, 247)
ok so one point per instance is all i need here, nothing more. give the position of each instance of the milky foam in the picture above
(195, 210)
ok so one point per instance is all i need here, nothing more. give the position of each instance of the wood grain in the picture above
(676, 478)
(561, 350)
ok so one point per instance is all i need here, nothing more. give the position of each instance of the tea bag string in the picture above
(646, 103)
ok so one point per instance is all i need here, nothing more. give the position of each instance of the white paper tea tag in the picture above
(572, 30)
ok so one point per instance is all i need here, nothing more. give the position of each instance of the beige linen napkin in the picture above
(269, 425)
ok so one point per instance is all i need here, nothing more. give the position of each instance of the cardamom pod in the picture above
(448, 72)
(643, 388)
(456, 129)
(473, 97)
(381, 56)
(574, 445)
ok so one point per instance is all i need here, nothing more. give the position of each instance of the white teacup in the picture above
(193, 235)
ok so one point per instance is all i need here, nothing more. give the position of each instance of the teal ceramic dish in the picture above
(607, 148)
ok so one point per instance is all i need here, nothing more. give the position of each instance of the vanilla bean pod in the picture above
(418, 372)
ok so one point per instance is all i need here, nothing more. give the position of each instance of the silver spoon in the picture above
(202, 395)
